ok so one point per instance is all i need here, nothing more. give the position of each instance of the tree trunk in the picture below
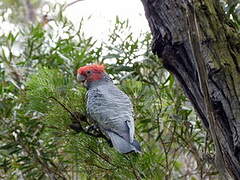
(201, 47)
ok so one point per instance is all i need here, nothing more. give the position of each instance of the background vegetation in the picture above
(38, 61)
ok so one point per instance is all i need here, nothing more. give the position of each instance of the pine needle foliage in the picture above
(93, 156)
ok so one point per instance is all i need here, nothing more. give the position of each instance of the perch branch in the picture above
(77, 125)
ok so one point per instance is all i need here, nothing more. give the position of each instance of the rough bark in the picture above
(200, 46)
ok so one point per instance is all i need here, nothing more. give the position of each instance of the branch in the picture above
(51, 172)
(76, 125)
(103, 157)
(70, 4)
(64, 107)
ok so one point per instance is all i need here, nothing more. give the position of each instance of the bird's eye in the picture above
(88, 72)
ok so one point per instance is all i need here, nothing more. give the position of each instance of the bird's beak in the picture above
(81, 78)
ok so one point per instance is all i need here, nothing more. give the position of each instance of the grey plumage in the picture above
(112, 111)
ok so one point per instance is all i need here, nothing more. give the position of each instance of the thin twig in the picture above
(99, 133)
(103, 157)
(62, 105)
(70, 4)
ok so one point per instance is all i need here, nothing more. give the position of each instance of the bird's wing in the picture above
(112, 110)
(130, 125)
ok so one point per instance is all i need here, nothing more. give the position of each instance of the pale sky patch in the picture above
(103, 14)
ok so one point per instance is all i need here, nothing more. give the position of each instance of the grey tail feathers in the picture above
(122, 145)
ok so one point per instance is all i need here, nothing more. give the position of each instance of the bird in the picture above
(110, 108)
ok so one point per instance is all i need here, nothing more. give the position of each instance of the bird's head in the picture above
(90, 73)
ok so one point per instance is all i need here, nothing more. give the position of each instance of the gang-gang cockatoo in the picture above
(109, 107)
